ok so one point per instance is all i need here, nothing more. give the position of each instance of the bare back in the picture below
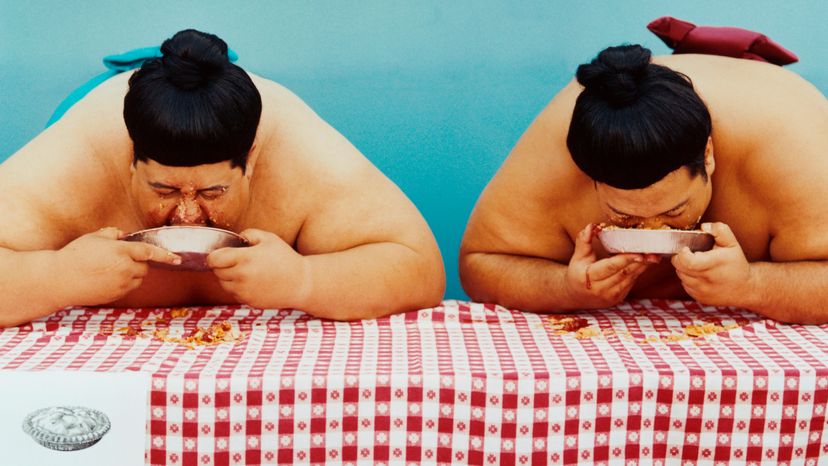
(770, 138)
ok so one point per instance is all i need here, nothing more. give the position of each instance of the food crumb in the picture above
(215, 334)
(567, 324)
(179, 312)
(587, 332)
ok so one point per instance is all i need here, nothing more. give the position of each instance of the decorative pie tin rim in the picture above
(64, 442)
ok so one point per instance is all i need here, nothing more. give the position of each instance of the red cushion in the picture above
(684, 37)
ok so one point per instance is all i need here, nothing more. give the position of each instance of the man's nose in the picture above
(188, 212)
(653, 223)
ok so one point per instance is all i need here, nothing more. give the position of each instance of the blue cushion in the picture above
(115, 64)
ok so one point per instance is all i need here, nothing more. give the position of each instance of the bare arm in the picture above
(363, 249)
(28, 239)
(24, 279)
(46, 261)
(789, 292)
(371, 281)
(792, 290)
(793, 285)
(368, 250)
(95, 269)
(517, 250)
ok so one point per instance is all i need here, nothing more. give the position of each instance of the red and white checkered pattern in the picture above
(461, 383)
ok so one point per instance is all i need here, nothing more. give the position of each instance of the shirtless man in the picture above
(193, 139)
(737, 146)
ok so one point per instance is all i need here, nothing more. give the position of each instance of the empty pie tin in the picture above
(643, 241)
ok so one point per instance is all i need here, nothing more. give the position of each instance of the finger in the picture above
(628, 286)
(226, 274)
(229, 286)
(583, 245)
(224, 258)
(139, 269)
(692, 281)
(691, 290)
(109, 233)
(255, 236)
(722, 233)
(143, 252)
(695, 262)
(619, 291)
(610, 266)
(134, 284)
(626, 277)
(652, 258)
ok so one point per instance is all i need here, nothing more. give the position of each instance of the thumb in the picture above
(255, 236)
(721, 233)
(109, 233)
(583, 245)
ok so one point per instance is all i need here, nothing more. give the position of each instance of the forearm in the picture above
(516, 282)
(795, 292)
(26, 286)
(371, 281)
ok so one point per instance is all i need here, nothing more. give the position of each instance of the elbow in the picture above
(427, 288)
(434, 289)
(470, 277)
(8, 322)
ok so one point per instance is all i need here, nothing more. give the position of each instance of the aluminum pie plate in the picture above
(192, 243)
(643, 241)
(66, 428)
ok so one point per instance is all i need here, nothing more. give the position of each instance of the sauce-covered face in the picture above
(212, 195)
(676, 201)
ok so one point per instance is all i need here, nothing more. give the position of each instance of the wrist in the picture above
(303, 286)
(60, 293)
(750, 295)
(572, 298)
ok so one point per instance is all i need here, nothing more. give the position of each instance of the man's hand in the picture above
(719, 276)
(97, 268)
(268, 273)
(593, 283)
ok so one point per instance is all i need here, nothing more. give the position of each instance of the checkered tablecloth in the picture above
(461, 383)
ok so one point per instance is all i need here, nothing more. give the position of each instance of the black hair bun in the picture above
(616, 73)
(192, 58)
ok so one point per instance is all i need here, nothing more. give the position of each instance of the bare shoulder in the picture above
(750, 100)
(788, 175)
(785, 170)
(297, 136)
(338, 197)
(533, 202)
(60, 176)
(770, 133)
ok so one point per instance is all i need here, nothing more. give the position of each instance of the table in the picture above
(652, 381)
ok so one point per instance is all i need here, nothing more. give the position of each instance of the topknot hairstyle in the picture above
(636, 121)
(192, 106)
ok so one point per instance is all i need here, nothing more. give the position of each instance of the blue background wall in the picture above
(434, 93)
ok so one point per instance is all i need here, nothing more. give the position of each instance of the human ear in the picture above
(709, 159)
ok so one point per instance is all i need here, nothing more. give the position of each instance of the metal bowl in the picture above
(192, 243)
(643, 241)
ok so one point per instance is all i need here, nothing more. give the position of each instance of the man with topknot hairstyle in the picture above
(192, 139)
(735, 147)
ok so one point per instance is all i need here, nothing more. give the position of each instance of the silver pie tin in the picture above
(192, 243)
(81, 427)
(664, 242)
